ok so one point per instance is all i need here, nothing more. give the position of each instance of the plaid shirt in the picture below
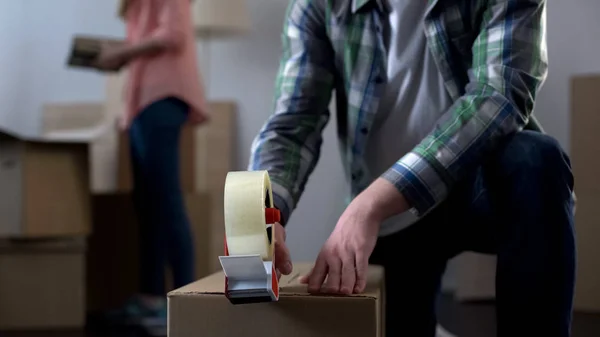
(491, 54)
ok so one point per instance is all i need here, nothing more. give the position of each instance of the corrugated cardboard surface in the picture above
(113, 257)
(42, 284)
(201, 309)
(585, 147)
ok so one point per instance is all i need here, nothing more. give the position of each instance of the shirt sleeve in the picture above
(509, 66)
(288, 145)
(171, 24)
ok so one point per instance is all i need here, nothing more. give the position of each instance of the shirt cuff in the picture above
(282, 200)
(418, 182)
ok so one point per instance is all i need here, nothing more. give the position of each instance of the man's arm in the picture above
(289, 143)
(509, 66)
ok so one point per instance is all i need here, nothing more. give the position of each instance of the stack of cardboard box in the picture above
(206, 157)
(44, 220)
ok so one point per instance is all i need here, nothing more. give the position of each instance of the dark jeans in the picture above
(165, 235)
(518, 206)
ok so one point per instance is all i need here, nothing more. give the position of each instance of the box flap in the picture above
(289, 284)
(58, 138)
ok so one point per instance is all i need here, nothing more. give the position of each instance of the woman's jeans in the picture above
(518, 206)
(165, 235)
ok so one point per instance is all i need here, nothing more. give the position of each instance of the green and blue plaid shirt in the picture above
(491, 53)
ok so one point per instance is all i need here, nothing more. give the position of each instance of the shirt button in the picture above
(364, 131)
(378, 79)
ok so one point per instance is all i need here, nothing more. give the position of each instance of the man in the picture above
(443, 155)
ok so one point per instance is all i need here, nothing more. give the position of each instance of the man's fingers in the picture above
(334, 274)
(362, 269)
(283, 261)
(279, 232)
(317, 275)
(282, 258)
(348, 274)
(304, 279)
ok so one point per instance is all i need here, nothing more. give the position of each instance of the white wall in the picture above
(35, 36)
(41, 32)
(11, 13)
(573, 48)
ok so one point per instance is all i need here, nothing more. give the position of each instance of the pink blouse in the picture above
(171, 73)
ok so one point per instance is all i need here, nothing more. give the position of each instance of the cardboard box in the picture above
(86, 49)
(42, 284)
(202, 309)
(109, 154)
(113, 255)
(44, 187)
(585, 139)
(585, 122)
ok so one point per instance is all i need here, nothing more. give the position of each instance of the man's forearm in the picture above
(382, 200)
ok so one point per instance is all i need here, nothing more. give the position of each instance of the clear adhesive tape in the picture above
(248, 195)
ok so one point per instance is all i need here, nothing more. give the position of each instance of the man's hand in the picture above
(342, 264)
(283, 262)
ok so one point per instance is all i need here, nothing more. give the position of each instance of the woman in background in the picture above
(163, 92)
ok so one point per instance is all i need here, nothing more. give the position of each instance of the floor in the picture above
(464, 320)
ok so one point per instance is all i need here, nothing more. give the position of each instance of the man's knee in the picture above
(537, 154)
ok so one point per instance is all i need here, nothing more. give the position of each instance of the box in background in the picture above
(201, 308)
(585, 146)
(113, 254)
(42, 284)
(44, 188)
(85, 50)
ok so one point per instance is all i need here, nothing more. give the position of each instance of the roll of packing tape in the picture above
(248, 210)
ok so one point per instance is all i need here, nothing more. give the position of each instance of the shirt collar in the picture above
(383, 5)
(357, 5)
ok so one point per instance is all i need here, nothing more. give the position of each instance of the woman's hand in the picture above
(112, 57)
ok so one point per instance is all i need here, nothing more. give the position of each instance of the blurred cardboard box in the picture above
(113, 255)
(44, 187)
(86, 49)
(42, 284)
(201, 308)
(109, 155)
(585, 147)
